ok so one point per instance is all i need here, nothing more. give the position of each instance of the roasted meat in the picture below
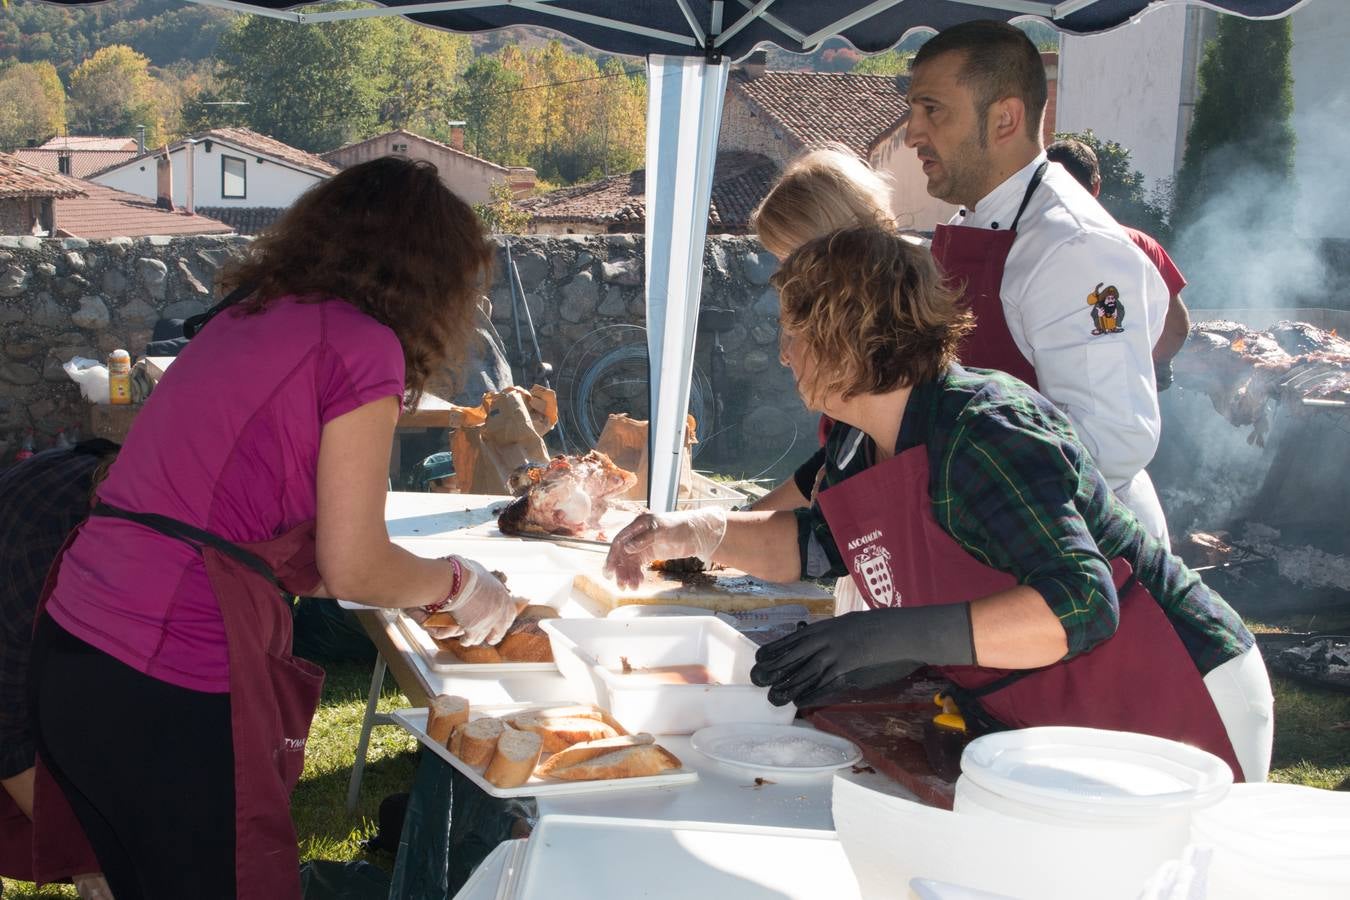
(1243, 370)
(565, 496)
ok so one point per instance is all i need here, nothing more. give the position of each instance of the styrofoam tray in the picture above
(588, 857)
(415, 721)
(539, 573)
(728, 744)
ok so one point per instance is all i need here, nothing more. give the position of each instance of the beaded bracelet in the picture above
(456, 582)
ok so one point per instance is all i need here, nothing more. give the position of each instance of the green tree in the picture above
(1241, 125)
(1123, 194)
(890, 62)
(498, 215)
(112, 92)
(313, 86)
(32, 104)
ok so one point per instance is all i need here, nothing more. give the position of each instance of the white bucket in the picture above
(1134, 793)
(1277, 840)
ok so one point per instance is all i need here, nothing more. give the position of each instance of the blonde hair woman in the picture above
(822, 191)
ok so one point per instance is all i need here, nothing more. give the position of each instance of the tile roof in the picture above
(819, 107)
(106, 212)
(83, 163)
(20, 180)
(244, 219)
(89, 142)
(248, 140)
(333, 155)
(740, 181)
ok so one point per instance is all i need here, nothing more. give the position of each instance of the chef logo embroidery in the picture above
(1108, 312)
(873, 566)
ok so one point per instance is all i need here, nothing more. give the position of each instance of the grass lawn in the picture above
(1309, 749)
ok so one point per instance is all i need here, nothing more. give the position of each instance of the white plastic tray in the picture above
(537, 572)
(415, 721)
(589, 857)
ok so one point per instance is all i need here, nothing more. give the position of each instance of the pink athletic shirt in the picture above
(229, 442)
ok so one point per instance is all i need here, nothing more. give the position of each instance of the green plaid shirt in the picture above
(1011, 482)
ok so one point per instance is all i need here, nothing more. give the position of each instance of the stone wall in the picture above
(64, 298)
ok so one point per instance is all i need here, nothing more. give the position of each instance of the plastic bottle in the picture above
(26, 450)
(119, 378)
(62, 442)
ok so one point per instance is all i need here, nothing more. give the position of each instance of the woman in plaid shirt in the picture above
(976, 527)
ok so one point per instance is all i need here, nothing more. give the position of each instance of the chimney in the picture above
(164, 181)
(754, 64)
(140, 140)
(457, 135)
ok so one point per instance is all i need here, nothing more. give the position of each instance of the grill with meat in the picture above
(1243, 370)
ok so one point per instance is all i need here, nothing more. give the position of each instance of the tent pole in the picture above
(684, 116)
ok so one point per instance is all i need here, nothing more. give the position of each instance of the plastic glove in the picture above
(92, 887)
(672, 535)
(484, 608)
(818, 659)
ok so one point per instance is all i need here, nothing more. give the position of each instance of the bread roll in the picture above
(525, 641)
(476, 741)
(514, 760)
(561, 733)
(624, 762)
(443, 714)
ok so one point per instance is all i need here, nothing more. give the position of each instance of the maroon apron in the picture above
(972, 260)
(1141, 679)
(273, 696)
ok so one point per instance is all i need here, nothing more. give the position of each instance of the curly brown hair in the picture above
(872, 310)
(390, 239)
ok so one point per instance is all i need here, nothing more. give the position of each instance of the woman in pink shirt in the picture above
(276, 421)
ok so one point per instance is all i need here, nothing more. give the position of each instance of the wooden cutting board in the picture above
(728, 590)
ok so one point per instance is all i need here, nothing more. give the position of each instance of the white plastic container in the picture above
(602, 858)
(591, 653)
(1277, 840)
(1134, 793)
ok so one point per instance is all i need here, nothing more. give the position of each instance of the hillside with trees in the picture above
(177, 68)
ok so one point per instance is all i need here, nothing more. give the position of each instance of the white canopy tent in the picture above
(687, 44)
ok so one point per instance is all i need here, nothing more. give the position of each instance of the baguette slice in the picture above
(561, 733)
(515, 758)
(443, 714)
(476, 741)
(525, 641)
(588, 750)
(625, 762)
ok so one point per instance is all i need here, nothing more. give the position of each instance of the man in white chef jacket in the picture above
(1063, 299)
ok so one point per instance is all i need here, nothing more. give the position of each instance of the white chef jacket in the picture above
(1066, 247)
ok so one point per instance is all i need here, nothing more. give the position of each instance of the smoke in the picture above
(1256, 239)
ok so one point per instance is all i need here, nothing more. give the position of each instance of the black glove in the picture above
(817, 659)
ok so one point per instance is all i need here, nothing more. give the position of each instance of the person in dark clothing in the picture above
(42, 500)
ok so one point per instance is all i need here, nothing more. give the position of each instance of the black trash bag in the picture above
(325, 879)
(450, 827)
(325, 632)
